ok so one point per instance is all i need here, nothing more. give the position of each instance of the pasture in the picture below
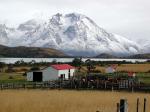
(142, 70)
(67, 101)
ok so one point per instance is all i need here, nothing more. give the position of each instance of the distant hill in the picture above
(105, 55)
(29, 52)
(140, 56)
(137, 56)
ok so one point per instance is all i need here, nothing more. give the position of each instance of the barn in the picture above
(53, 72)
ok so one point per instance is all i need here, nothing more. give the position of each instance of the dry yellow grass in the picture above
(66, 101)
(122, 67)
(134, 67)
(126, 67)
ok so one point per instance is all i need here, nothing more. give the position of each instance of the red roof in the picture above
(114, 66)
(131, 74)
(62, 66)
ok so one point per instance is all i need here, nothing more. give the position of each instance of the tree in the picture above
(10, 68)
(90, 65)
(2, 65)
(54, 61)
(77, 62)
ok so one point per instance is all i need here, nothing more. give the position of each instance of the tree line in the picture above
(77, 62)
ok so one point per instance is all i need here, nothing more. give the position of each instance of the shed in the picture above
(111, 69)
(53, 72)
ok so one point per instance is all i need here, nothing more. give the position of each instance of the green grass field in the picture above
(18, 77)
(142, 72)
(12, 77)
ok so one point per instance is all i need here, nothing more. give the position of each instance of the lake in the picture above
(13, 60)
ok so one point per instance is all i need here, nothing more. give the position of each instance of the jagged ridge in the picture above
(75, 34)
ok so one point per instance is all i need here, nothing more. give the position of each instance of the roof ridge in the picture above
(62, 66)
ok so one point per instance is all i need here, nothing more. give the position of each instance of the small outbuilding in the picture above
(111, 69)
(131, 74)
(53, 72)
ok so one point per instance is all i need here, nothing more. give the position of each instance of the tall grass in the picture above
(128, 67)
(66, 101)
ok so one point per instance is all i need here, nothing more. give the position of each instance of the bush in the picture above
(148, 71)
(34, 68)
(96, 71)
(24, 74)
(10, 70)
(10, 77)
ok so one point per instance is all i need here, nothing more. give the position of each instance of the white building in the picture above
(53, 72)
(111, 69)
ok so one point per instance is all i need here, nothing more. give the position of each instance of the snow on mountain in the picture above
(73, 33)
(145, 44)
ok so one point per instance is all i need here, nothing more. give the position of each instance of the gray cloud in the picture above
(129, 18)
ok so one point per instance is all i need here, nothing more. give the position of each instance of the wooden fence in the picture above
(123, 105)
(77, 84)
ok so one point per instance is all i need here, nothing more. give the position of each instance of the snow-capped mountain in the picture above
(146, 47)
(75, 34)
(144, 44)
(3, 34)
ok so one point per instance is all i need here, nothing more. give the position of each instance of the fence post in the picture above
(97, 84)
(0, 86)
(132, 87)
(137, 106)
(123, 105)
(105, 85)
(112, 87)
(144, 109)
(118, 108)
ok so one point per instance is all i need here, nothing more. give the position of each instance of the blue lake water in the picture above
(13, 60)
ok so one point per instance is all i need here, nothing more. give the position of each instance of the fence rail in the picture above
(71, 84)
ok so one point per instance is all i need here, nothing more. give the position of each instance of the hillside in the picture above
(104, 55)
(29, 52)
(140, 56)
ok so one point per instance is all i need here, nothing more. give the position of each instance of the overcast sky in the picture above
(129, 18)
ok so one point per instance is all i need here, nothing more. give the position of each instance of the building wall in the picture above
(30, 76)
(110, 70)
(66, 72)
(50, 74)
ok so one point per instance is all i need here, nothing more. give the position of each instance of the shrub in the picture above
(96, 71)
(10, 77)
(9, 70)
(24, 74)
(148, 71)
(34, 68)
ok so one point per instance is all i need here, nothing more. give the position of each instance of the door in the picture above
(37, 76)
(62, 76)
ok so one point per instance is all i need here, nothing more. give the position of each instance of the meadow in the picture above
(67, 101)
(141, 68)
(70, 100)
(142, 72)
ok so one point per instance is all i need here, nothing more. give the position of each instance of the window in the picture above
(62, 76)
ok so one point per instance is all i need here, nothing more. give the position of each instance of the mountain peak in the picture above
(73, 33)
(30, 24)
(75, 16)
